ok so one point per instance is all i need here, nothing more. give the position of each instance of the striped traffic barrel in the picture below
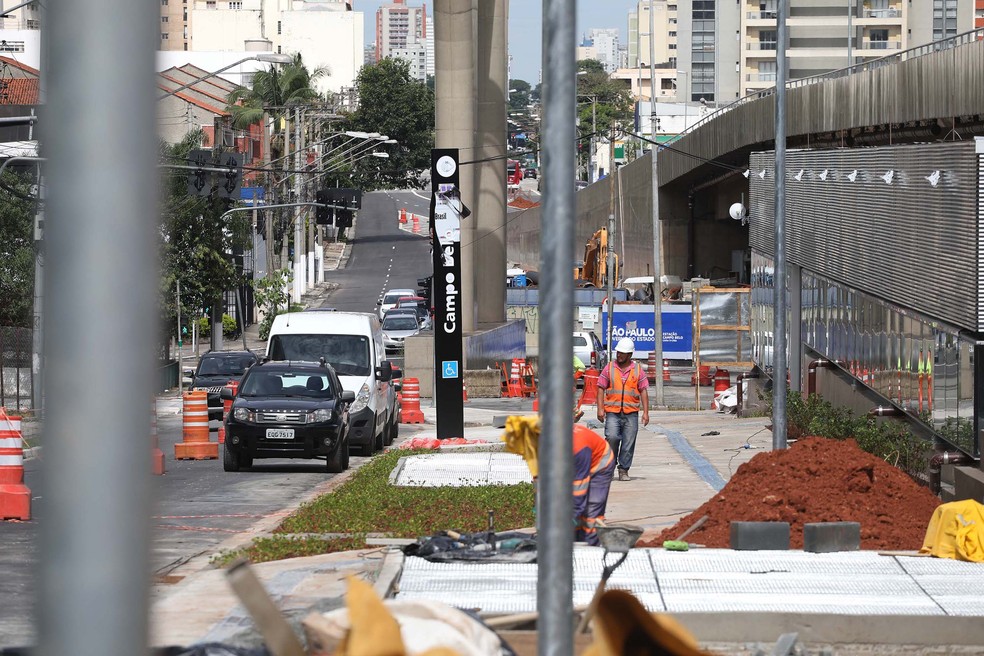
(195, 444)
(15, 497)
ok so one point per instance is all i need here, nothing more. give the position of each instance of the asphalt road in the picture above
(198, 504)
(383, 256)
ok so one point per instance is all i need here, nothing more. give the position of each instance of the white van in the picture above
(352, 343)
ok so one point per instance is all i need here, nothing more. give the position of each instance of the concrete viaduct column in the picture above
(490, 206)
(455, 110)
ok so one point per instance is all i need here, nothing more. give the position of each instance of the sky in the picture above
(525, 34)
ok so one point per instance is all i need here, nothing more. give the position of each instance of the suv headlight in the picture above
(361, 399)
(316, 416)
(243, 414)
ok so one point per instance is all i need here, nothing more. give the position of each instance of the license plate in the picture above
(280, 433)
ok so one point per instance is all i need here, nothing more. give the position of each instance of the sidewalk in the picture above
(675, 471)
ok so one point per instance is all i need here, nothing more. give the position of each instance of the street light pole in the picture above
(657, 226)
(686, 106)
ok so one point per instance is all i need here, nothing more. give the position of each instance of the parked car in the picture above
(588, 348)
(530, 173)
(396, 328)
(352, 343)
(391, 298)
(288, 410)
(215, 369)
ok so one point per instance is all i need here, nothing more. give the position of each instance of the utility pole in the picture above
(298, 227)
(779, 290)
(268, 179)
(610, 254)
(37, 359)
(657, 226)
(177, 299)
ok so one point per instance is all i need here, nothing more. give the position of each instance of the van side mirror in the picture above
(226, 394)
(397, 372)
(379, 302)
(347, 396)
(384, 372)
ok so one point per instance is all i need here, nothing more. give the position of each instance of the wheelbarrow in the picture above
(616, 539)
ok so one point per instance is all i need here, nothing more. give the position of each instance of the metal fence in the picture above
(16, 380)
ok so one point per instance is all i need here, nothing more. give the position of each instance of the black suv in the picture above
(288, 410)
(215, 369)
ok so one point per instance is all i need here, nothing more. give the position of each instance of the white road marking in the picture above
(427, 198)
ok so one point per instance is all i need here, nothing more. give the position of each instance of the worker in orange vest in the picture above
(594, 464)
(625, 394)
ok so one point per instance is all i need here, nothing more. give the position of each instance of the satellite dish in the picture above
(738, 212)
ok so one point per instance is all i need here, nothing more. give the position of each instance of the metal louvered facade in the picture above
(872, 220)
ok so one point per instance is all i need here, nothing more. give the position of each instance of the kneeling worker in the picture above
(594, 465)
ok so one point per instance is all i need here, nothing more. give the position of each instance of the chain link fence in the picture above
(16, 379)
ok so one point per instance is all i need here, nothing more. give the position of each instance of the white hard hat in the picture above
(625, 345)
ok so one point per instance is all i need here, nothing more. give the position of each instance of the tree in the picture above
(273, 90)
(195, 243)
(519, 95)
(17, 210)
(400, 107)
(612, 103)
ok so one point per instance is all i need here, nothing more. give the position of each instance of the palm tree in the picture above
(275, 89)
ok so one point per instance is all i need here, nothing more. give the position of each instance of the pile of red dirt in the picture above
(522, 203)
(816, 480)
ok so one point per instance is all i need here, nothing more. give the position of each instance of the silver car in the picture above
(391, 298)
(397, 328)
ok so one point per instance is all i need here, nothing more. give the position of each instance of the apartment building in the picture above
(664, 29)
(327, 33)
(932, 20)
(20, 36)
(708, 50)
(175, 23)
(402, 32)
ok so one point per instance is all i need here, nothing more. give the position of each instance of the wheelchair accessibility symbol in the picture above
(450, 369)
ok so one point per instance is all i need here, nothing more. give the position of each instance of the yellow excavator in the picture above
(593, 271)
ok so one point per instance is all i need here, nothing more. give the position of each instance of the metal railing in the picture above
(761, 45)
(868, 44)
(905, 55)
(883, 13)
(762, 15)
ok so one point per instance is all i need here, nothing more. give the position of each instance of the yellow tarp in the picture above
(956, 530)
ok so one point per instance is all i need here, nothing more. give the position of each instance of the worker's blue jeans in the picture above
(620, 431)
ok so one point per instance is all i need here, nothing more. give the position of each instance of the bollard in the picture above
(464, 392)
(156, 455)
(410, 412)
(196, 445)
(651, 367)
(15, 497)
(416, 224)
(722, 380)
(403, 215)
(666, 371)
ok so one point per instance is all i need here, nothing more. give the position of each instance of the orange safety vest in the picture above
(622, 396)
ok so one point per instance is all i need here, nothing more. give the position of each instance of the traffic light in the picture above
(199, 180)
(322, 215)
(232, 180)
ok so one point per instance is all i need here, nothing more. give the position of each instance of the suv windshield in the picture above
(288, 383)
(224, 365)
(348, 354)
(400, 323)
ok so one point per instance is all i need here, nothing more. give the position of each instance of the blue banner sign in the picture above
(636, 322)
(249, 193)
